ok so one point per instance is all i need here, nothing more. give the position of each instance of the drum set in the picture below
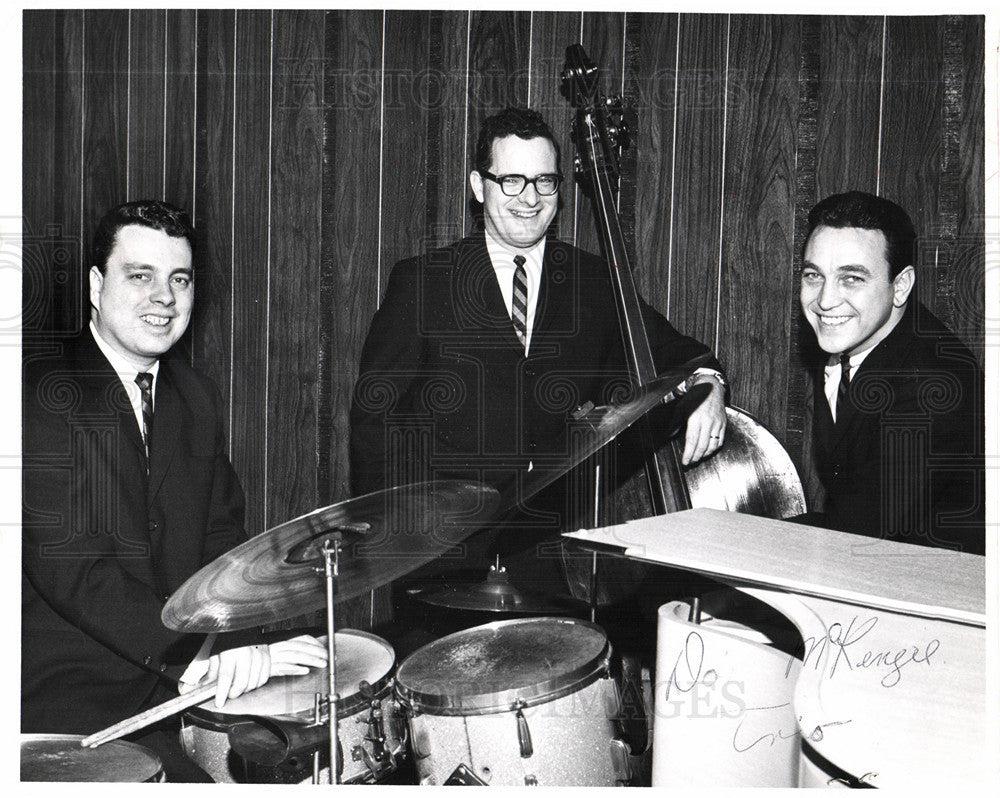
(525, 701)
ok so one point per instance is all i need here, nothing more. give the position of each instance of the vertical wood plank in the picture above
(912, 144)
(105, 135)
(211, 339)
(697, 212)
(551, 33)
(498, 70)
(969, 261)
(603, 39)
(447, 120)
(349, 262)
(405, 110)
(296, 235)
(651, 88)
(53, 268)
(850, 67)
(758, 222)
(802, 347)
(251, 256)
(179, 112)
(147, 95)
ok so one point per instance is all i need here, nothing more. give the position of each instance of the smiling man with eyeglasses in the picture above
(481, 351)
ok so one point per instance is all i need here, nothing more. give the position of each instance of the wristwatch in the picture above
(690, 381)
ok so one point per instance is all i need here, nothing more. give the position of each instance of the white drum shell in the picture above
(360, 655)
(211, 750)
(571, 737)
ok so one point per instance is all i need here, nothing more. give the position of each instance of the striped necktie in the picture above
(844, 387)
(519, 301)
(145, 383)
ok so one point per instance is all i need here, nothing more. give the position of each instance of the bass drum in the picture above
(269, 734)
(59, 757)
(514, 703)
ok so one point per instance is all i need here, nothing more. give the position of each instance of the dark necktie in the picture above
(519, 301)
(145, 383)
(845, 384)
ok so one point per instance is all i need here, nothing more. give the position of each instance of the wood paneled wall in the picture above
(315, 149)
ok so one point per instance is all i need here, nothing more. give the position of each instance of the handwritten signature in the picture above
(687, 671)
(845, 651)
(815, 735)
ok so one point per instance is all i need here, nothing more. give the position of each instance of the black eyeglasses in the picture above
(512, 185)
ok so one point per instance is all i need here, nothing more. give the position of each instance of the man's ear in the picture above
(96, 286)
(476, 181)
(902, 285)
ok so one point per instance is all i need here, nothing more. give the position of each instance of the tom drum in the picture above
(520, 702)
(269, 734)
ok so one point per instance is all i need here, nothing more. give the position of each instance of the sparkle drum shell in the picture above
(513, 703)
(289, 702)
(59, 757)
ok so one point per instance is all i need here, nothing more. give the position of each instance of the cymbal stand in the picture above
(593, 554)
(331, 570)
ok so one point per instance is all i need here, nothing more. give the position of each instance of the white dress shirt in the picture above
(127, 373)
(831, 376)
(504, 268)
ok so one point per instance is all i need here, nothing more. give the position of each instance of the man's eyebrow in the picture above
(854, 268)
(847, 268)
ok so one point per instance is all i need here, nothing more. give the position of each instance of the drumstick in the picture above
(150, 716)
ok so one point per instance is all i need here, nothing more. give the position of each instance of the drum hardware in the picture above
(523, 732)
(620, 755)
(463, 777)
(381, 759)
(331, 570)
(317, 721)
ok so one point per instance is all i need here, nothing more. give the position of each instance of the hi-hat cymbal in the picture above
(279, 574)
(494, 594)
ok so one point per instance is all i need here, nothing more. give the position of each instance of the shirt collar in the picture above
(124, 368)
(503, 258)
(855, 360)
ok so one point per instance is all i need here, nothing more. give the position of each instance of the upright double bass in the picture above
(751, 473)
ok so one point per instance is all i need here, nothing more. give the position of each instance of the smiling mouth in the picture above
(526, 214)
(156, 321)
(833, 321)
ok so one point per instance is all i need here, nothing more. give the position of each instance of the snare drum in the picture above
(59, 757)
(513, 703)
(268, 734)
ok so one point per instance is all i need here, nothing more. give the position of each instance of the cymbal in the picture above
(494, 594)
(279, 574)
(592, 428)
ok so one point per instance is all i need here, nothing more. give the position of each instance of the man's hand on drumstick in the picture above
(239, 670)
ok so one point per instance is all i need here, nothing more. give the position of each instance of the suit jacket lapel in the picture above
(106, 386)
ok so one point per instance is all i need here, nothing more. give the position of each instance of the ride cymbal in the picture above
(279, 574)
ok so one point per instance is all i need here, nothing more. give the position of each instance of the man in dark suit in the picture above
(481, 350)
(128, 490)
(897, 407)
